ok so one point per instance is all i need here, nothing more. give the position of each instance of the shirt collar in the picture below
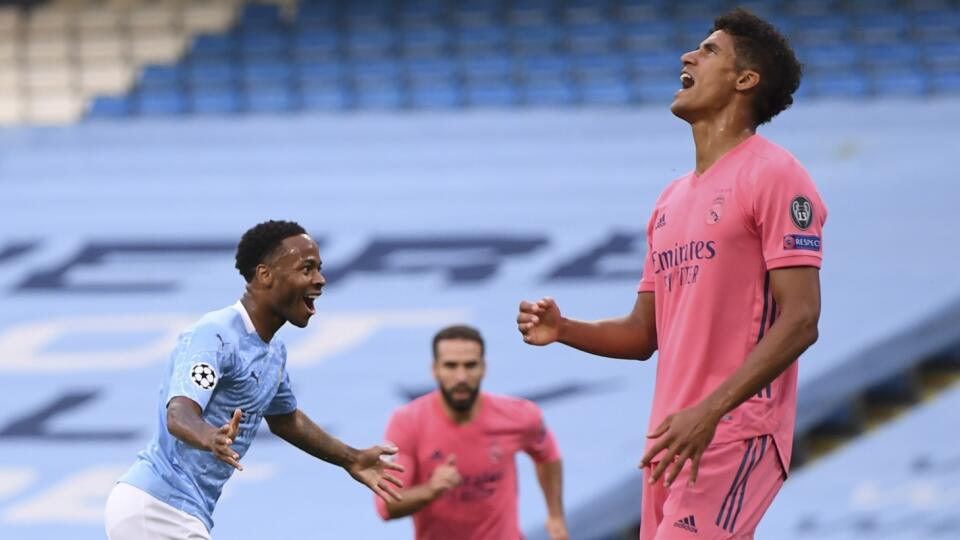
(247, 321)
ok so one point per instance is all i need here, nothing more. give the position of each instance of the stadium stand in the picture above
(105, 59)
(115, 234)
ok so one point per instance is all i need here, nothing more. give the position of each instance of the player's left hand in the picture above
(371, 469)
(684, 435)
(557, 528)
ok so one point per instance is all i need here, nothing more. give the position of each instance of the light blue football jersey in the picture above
(222, 364)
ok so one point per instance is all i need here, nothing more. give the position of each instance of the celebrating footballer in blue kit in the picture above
(226, 373)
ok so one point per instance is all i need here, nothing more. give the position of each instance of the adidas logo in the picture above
(661, 222)
(688, 524)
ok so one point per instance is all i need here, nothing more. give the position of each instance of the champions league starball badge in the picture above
(203, 375)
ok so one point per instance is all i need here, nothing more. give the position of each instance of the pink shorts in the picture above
(735, 486)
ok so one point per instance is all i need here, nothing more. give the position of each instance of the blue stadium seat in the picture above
(417, 13)
(432, 68)
(425, 42)
(659, 63)
(483, 40)
(691, 32)
(587, 11)
(878, 28)
(376, 69)
(211, 73)
(655, 90)
(829, 58)
(111, 107)
(545, 65)
(821, 30)
(642, 10)
(371, 42)
(530, 12)
(937, 26)
(214, 100)
(945, 83)
(326, 71)
(839, 85)
(160, 103)
(161, 75)
(650, 36)
(942, 57)
(872, 7)
(535, 39)
(316, 43)
(696, 9)
(475, 13)
(324, 97)
(213, 46)
(812, 7)
(763, 8)
(264, 42)
(492, 95)
(606, 91)
(894, 57)
(906, 84)
(266, 72)
(436, 96)
(488, 66)
(313, 14)
(379, 96)
(593, 37)
(600, 65)
(260, 15)
(275, 98)
(546, 90)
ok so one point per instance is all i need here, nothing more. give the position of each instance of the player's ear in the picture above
(747, 79)
(263, 275)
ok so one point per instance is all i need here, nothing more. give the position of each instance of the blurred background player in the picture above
(227, 373)
(730, 295)
(457, 448)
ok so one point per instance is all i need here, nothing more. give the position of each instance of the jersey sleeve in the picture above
(199, 363)
(789, 216)
(284, 402)
(646, 280)
(401, 431)
(539, 442)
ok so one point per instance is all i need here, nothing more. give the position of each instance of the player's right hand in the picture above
(224, 437)
(446, 476)
(539, 322)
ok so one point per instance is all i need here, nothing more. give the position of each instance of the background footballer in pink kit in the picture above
(457, 445)
(730, 295)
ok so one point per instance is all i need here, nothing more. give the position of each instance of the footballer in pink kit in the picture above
(730, 296)
(458, 447)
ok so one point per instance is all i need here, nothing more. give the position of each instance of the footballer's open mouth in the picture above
(686, 80)
(308, 300)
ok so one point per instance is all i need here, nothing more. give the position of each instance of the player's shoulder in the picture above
(415, 409)
(217, 330)
(671, 187)
(770, 156)
(511, 406)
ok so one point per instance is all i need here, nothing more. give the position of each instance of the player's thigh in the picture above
(132, 514)
(735, 485)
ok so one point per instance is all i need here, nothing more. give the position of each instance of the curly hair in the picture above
(261, 241)
(761, 48)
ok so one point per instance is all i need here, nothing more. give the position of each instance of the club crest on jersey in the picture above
(801, 212)
(496, 454)
(716, 211)
(203, 375)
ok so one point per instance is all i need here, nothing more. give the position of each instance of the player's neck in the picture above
(462, 417)
(264, 321)
(717, 135)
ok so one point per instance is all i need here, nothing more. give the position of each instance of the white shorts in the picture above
(134, 514)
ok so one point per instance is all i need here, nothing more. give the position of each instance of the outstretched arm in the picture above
(633, 336)
(184, 421)
(366, 466)
(444, 478)
(550, 476)
(685, 434)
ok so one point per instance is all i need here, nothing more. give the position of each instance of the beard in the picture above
(460, 405)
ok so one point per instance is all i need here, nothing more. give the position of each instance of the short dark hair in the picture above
(260, 241)
(458, 331)
(760, 47)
